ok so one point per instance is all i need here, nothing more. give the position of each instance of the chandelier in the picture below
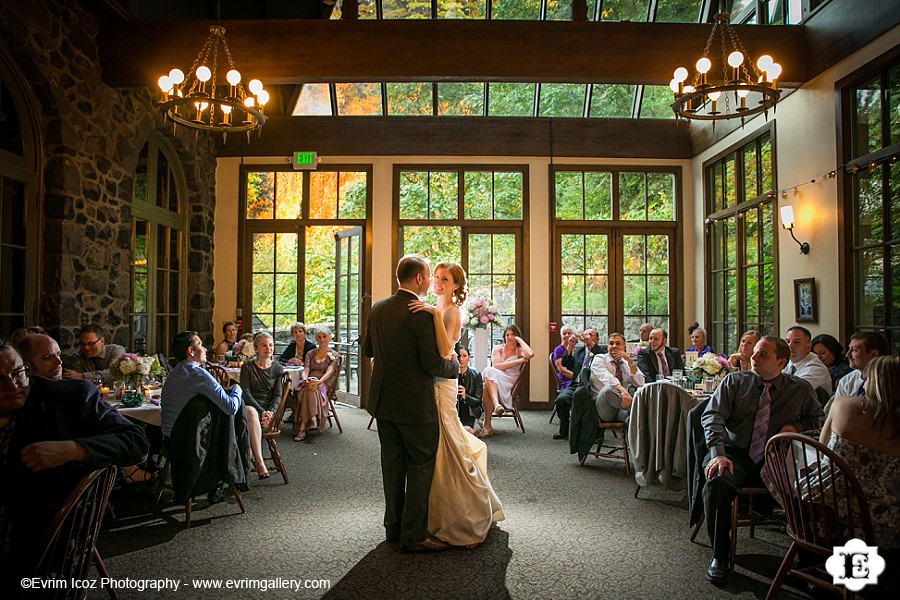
(744, 90)
(201, 101)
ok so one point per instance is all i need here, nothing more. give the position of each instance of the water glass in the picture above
(677, 376)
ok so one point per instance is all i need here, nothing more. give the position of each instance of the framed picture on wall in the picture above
(805, 306)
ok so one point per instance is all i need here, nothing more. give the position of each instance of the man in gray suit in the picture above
(401, 398)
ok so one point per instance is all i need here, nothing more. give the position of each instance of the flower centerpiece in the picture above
(710, 365)
(128, 370)
(481, 314)
(241, 352)
(638, 346)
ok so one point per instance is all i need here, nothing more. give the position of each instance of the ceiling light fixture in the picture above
(196, 100)
(745, 89)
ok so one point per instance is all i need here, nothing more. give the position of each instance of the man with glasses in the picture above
(52, 433)
(94, 356)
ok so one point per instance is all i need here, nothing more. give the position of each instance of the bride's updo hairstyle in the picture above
(459, 278)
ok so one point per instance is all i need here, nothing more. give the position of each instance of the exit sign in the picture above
(304, 161)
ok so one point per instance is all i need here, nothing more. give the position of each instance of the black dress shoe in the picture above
(717, 572)
(560, 436)
(429, 544)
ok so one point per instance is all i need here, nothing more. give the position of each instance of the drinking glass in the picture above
(677, 376)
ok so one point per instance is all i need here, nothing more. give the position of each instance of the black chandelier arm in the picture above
(804, 246)
(683, 104)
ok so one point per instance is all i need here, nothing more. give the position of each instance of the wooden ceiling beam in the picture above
(289, 52)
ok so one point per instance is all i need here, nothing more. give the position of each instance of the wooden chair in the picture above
(219, 374)
(514, 394)
(823, 502)
(556, 380)
(607, 449)
(749, 519)
(270, 434)
(69, 546)
(331, 393)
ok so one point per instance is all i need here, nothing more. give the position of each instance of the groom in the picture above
(401, 397)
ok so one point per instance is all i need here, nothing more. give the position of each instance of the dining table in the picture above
(295, 371)
(657, 433)
(148, 412)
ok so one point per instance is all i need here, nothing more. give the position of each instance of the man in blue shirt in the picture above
(189, 378)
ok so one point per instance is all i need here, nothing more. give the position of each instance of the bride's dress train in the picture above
(462, 504)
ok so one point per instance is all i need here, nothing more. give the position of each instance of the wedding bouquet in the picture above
(710, 365)
(132, 368)
(481, 314)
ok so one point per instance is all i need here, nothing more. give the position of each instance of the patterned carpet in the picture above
(570, 532)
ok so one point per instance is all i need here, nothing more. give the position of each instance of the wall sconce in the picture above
(787, 221)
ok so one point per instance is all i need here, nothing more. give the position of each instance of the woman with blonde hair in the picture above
(462, 504)
(261, 385)
(866, 433)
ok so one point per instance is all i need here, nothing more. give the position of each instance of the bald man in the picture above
(41, 355)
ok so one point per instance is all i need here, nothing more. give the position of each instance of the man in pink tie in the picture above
(659, 359)
(746, 410)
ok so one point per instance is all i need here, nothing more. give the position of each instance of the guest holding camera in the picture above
(471, 387)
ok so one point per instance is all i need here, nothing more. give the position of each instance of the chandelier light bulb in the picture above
(774, 71)
(201, 106)
(203, 73)
(704, 65)
(673, 85)
(263, 97)
(714, 95)
(177, 76)
(249, 102)
(688, 89)
(255, 86)
(681, 74)
(735, 59)
(743, 92)
(765, 61)
(165, 84)
(226, 108)
(233, 77)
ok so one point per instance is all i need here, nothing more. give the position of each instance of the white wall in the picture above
(537, 286)
(806, 149)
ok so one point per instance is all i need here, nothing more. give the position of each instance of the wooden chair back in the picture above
(69, 546)
(219, 374)
(331, 391)
(271, 433)
(823, 502)
(514, 399)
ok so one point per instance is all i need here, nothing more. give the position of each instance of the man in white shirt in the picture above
(614, 378)
(804, 363)
(863, 347)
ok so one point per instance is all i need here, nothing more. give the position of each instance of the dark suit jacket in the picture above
(575, 361)
(69, 409)
(646, 362)
(406, 362)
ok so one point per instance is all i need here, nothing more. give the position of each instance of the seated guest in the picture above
(471, 386)
(261, 382)
(312, 396)
(740, 360)
(188, 379)
(863, 347)
(296, 351)
(617, 376)
(831, 353)
(229, 331)
(579, 359)
(746, 410)
(21, 332)
(94, 357)
(564, 375)
(643, 334)
(659, 359)
(52, 434)
(804, 364)
(506, 363)
(865, 431)
(41, 355)
(698, 340)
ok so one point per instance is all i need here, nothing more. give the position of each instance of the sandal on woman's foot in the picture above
(301, 435)
(485, 432)
(265, 475)
(137, 475)
(498, 412)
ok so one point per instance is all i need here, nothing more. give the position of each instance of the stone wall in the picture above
(91, 139)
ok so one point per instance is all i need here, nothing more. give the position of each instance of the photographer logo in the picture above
(855, 565)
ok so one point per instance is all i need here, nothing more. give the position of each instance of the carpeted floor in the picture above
(570, 532)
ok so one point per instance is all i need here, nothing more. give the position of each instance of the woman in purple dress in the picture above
(312, 395)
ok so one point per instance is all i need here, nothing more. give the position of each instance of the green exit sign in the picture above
(303, 161)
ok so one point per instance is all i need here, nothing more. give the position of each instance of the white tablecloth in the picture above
(146, 413)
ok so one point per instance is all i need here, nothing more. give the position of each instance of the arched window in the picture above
(157, 248)
(19, 214)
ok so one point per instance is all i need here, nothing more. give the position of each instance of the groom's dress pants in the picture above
(407, 466)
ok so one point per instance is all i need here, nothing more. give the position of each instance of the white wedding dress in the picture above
(462, 504)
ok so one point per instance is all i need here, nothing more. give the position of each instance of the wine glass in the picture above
(152, 384)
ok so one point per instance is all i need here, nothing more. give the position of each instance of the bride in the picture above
(462, 504)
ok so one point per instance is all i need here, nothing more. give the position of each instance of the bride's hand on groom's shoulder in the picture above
(417, 306)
